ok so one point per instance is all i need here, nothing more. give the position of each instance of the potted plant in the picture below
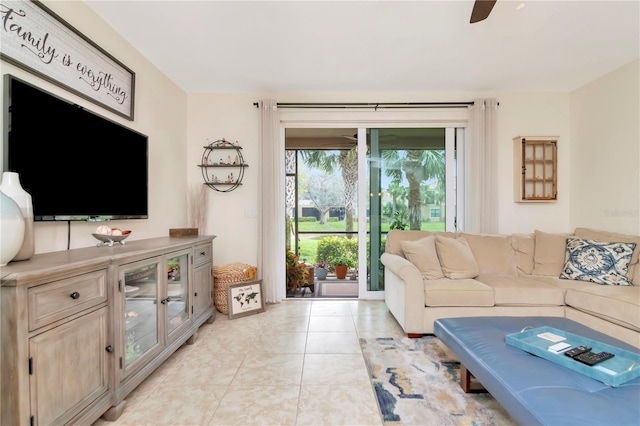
(341, 264)
(322, 268)
(296, 272)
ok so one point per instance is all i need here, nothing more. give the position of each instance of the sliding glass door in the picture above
(321, 208)
(347, 188)
(411, 181)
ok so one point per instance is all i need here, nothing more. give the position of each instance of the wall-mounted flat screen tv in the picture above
(75, 164)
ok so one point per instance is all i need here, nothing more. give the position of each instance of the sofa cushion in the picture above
(613, 237)
(493, 253)
(523, 291)
(395, 238)
(422, 253)
(463, 292)
(549, 253)
(618, 304)
(456, 258)
(601, 263)
(524, 246)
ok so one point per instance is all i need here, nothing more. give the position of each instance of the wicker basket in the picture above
(225, 275)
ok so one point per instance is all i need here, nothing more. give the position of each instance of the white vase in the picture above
(11, 229)
(11, 186)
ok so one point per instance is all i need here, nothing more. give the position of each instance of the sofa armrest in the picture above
(404, 292)
(400, 266)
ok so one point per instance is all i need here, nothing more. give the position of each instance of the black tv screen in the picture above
(75, 164)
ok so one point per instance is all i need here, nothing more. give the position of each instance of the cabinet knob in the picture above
(202, 253)
(195, 293)
(74, 295)
(109, 349)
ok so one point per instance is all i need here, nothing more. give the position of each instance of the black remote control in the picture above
(592, 358)
(571, 353)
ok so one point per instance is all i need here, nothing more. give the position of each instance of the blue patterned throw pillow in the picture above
(601, 263)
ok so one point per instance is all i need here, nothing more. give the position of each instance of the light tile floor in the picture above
(297, 363)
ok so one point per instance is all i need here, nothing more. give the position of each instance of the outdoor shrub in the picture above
(333, 219)
(328, 248)
(307, 219)
(399, 221)
(351, 247)
(334, 247)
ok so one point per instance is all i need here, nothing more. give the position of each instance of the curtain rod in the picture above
(375, 105)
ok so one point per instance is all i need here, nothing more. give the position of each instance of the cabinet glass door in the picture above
(140, 312)
(177, 298)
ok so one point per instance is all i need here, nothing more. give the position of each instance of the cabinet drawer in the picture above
(59, 299)
(202, 254)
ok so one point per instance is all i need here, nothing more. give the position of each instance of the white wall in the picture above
(533, 114)
(214, 116)
(160, 113)
(232, 216)
(605, 173)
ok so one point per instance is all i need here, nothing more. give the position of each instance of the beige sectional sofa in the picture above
(443, 275)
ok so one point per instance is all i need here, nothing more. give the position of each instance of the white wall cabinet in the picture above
(82, 328)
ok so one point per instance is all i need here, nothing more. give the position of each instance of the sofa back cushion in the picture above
(633, 273)
(549, 253)
(395, 238)
(493, 253)
(422, 253)
(456, 258)
(524, 246)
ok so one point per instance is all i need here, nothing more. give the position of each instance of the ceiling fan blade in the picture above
(481, 10)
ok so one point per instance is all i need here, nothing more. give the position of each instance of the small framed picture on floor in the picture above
(245, 298)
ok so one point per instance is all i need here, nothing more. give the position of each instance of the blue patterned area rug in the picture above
(417, 382)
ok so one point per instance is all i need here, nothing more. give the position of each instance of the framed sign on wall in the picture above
(34, 38)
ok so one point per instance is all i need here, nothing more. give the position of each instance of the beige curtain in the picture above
(481, 182)
(271, 247)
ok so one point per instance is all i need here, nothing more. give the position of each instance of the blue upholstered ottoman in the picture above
(534, 390)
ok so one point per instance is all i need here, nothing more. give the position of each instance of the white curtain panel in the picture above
(481, 183)
(271, 244)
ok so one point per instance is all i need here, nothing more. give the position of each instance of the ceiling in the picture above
(378, 46)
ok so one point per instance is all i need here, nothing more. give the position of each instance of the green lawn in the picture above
(326, 227)
(309, 245)
(340, 226)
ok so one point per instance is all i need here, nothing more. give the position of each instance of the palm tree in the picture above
(328, 161)
(349, 168)
(398, 195)
(418, 166)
